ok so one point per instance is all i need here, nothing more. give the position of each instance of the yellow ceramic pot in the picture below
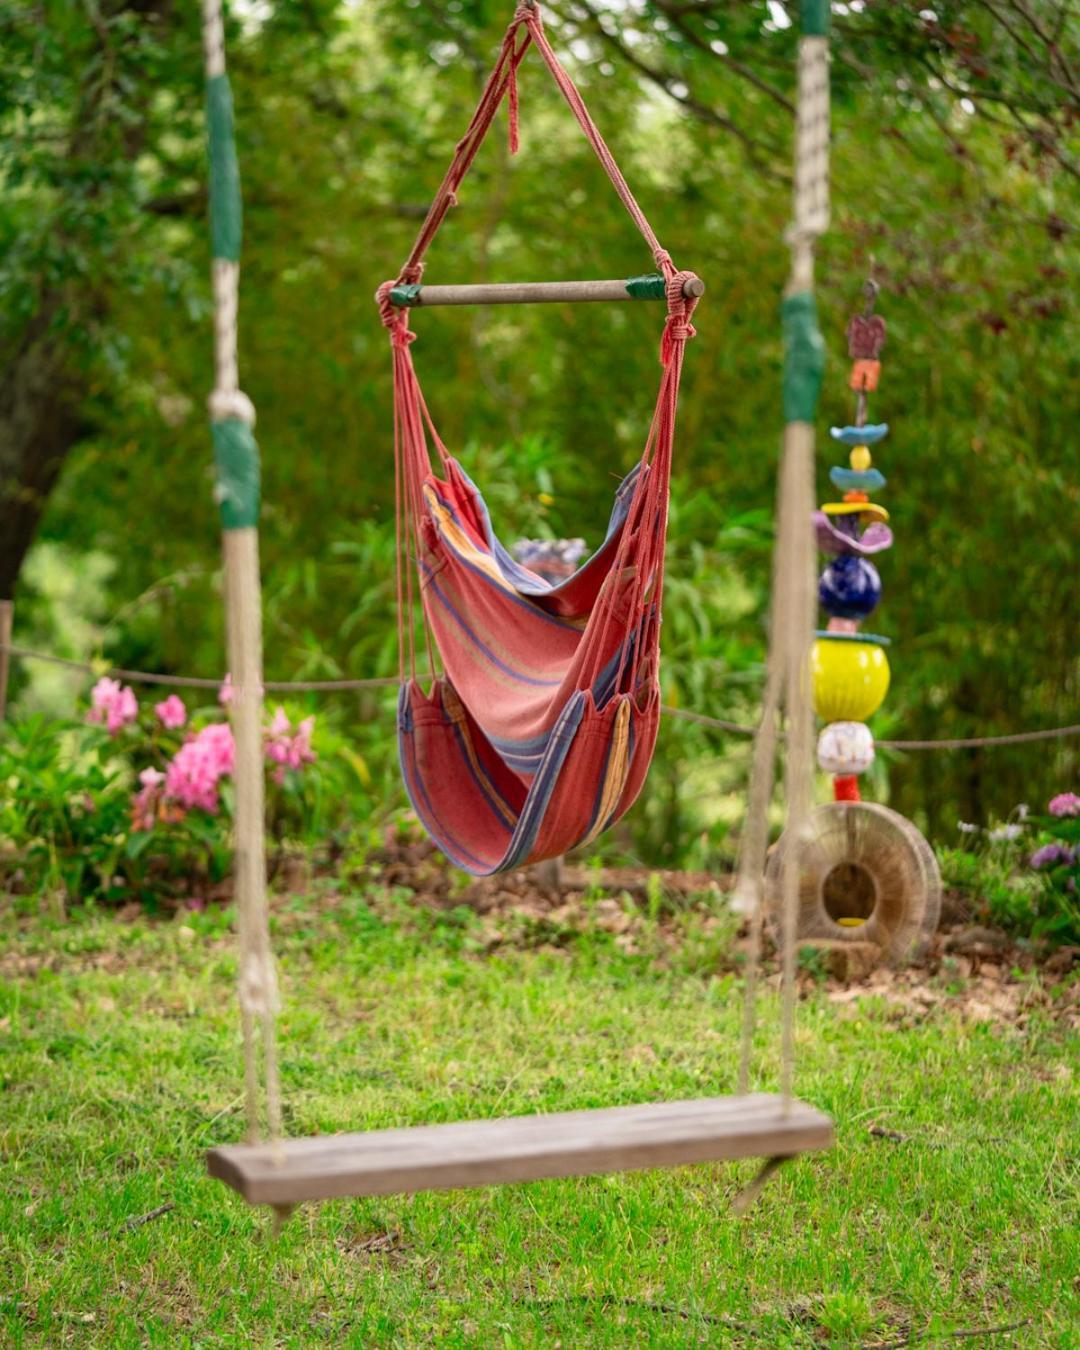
(849, 679)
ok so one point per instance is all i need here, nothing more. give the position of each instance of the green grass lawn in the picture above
(119, 1065)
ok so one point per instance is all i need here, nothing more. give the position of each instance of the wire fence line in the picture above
(389, 682)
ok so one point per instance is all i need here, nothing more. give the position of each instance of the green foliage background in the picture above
(346, 117)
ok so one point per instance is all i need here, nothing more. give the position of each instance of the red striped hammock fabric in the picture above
(538, 733)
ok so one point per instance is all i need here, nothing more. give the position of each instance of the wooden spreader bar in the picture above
(520, 1148)
(651, 287)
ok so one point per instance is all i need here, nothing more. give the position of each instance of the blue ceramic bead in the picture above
(857, 480)
(850, 587)
(869, 435)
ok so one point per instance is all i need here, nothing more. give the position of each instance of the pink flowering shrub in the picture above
(287, 746)
(171, 713)
(113, 704)
(205, 758)
(136, 801)
(1057, 859)
(1024, 873)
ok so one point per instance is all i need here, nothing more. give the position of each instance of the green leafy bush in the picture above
(137, 803)
(1023, 873)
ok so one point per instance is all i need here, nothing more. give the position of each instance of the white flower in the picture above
(1005, 834)
(965, 828)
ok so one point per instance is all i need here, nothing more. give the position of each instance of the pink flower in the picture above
(151, 778)
(1064, 804)
(171, 712)
(112, 703)
(287, 747)
(201, 762)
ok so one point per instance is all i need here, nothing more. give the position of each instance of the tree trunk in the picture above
(41, 393)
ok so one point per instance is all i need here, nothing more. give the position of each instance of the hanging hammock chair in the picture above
(538, 733)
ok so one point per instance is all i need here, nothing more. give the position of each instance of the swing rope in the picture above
(232, 418)
(793, 589)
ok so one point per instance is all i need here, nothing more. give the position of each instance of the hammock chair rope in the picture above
(538, 731)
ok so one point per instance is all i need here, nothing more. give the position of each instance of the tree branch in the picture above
(702, 111)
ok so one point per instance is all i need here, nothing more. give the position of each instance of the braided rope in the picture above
(791, 632)
(811, 192)
(258, 990)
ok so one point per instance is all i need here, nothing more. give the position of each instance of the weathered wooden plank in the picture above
(521, 1148)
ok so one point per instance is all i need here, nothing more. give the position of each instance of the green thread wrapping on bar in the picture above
(225, 212)
(403, 296)
(815, 18)
(651, 286)
(236, 457)
(804, 357)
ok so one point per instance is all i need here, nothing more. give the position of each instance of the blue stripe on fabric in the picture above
(451, 846)
(545, 782)
(513, 595)
(433, 585)
(487, 788)
(533, 743)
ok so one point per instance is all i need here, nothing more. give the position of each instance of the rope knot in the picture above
(395, 320)
(678, 329)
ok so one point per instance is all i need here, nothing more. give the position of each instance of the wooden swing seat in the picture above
(520, 1148)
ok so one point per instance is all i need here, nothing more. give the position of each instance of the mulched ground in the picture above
(971, 968)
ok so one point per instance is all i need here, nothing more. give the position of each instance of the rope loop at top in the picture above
(525, 30)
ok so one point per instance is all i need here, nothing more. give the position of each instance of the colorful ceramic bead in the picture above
(875, 638)
(849, 678)
(849, 480)
(846, 789)
(850, 587)
(860, 459)
(866, 511)
(845, 747)
(842, 536)
(864, 375)
(866, 336)
(868, 435)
